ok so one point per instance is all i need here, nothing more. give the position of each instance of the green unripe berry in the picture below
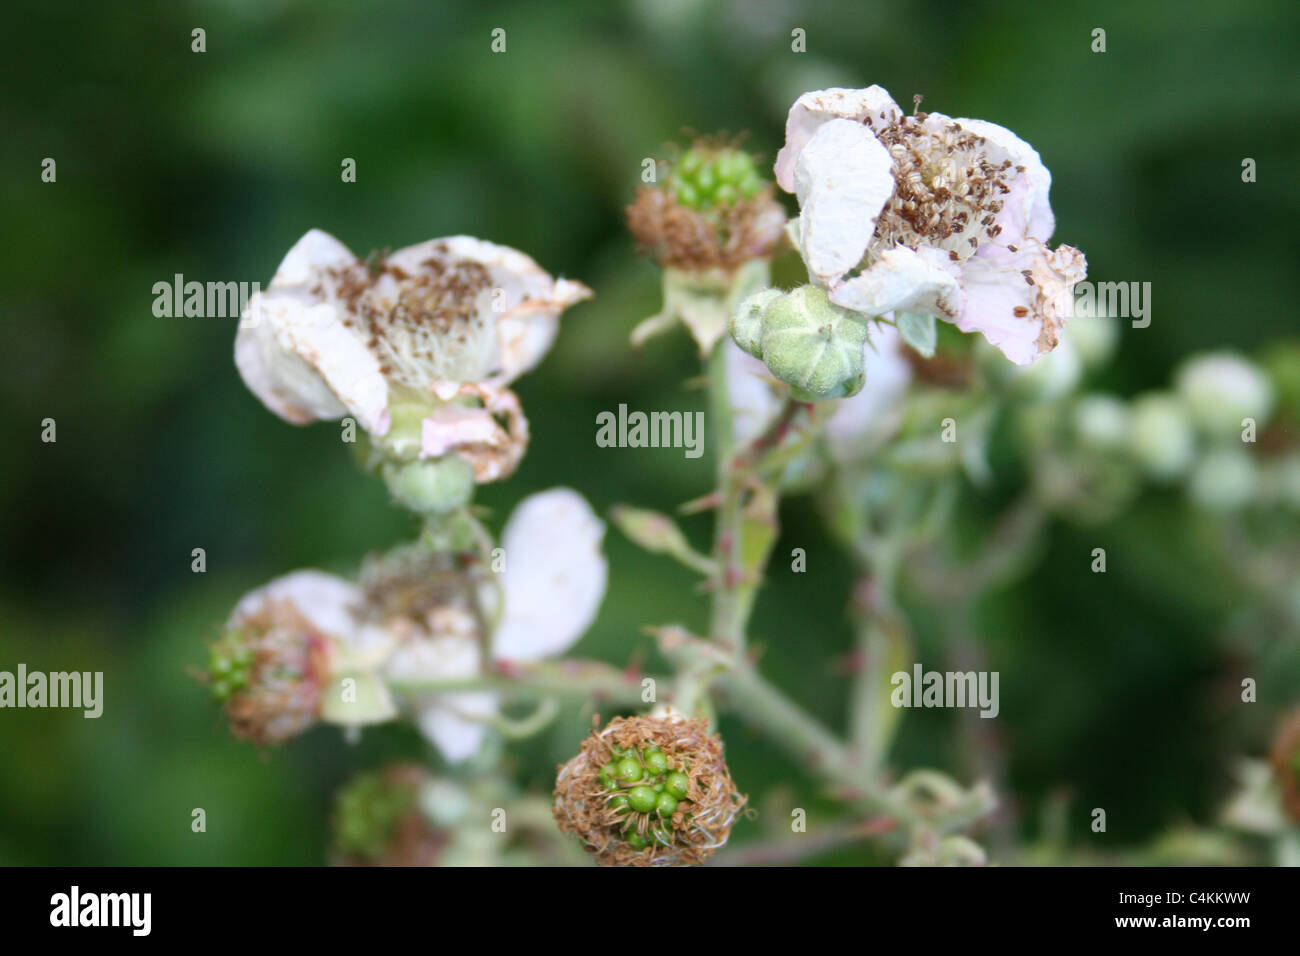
(629, 770)
(666, 805)
(643, 799)
(656, 761)
(619, 803)
(636, 841)
(609, 770)
(677, 784)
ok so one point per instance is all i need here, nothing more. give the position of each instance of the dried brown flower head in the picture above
(713, 211)
(269, 672)
(648, 791)
(378, 822)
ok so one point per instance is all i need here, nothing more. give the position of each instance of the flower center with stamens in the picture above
(950, 186)
(435, 325)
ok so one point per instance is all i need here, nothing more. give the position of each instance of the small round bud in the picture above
(1221, 389)
(805, 340)
(1224, 480)
(1094, 338)
(747, 323)
(1161, 437)
(1102, 422)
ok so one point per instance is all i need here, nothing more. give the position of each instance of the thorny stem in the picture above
(725, 624)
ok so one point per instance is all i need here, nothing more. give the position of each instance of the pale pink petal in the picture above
(1028, 212)
(1022, 318)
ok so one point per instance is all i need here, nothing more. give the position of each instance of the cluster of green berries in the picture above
(366, 814)
(229, 661)
(639, 782)
(703, 178)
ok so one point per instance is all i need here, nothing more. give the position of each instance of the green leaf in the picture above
(918, 330)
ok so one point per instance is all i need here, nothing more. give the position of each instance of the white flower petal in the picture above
(283, 382)
(1028, 212)
(555, 575)
(448, 721)
(326, 601)
(814, 109)
(315, 253)
(294, 351)
(843, 179)
(903, 279)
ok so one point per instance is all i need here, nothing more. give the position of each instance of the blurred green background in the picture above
(213, 164)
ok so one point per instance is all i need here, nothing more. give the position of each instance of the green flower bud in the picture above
(747, 323)
(1101, 422)
(805, 340)
(1222, 389)
(436, 486)
(1161, 437)
(1224, 480)
(1094, 337)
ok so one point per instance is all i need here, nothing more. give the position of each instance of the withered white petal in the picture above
(814, 109)
(906, 279)
(327, 602)
(554, 578)
(283, 382)
(843, 178)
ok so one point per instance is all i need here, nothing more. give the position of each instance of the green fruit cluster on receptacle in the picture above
(641, 783)
(703, 178)
(366, 815)
(229, 661)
